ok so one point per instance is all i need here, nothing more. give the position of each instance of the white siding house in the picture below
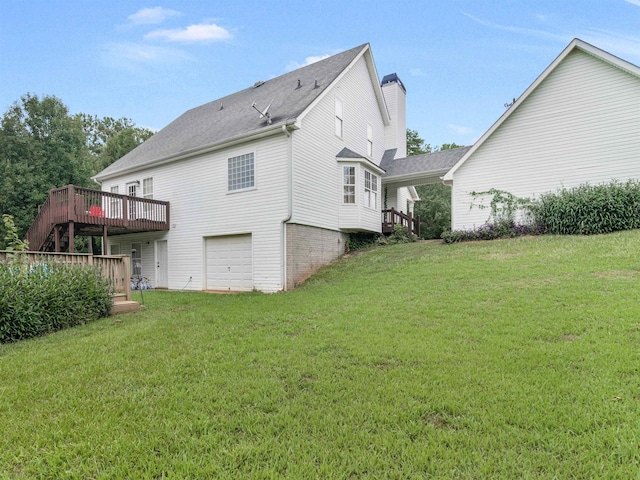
(579, 122)
(262, 201)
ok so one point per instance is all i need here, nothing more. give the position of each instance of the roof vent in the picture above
(258, 83)
(316, 84)
(299, 84)
(221, 106)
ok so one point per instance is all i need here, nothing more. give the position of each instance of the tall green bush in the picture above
(589, 209)
(36, 299)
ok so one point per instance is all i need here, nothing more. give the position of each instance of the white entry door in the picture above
(162, 277)
(229, 263)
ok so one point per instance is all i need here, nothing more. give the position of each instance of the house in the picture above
(578, 122)
(265, 184)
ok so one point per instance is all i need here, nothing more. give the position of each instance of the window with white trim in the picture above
(339, 117)
(370, 189)
(132, 189)
(349, 184)
(147, 188)
(241, 172)
(369, 141)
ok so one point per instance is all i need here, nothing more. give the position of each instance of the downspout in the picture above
(289, 206)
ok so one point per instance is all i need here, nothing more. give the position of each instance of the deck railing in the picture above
(116, 268)
(95, 207)
(392, 217)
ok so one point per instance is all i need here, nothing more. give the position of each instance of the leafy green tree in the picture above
(42, 147)
(415, 144)
(434, 207)
(109, 139)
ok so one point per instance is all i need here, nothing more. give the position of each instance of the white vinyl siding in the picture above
(369, 141)
(201, 207)
(339, 117)
(581, 124)
(315, 147)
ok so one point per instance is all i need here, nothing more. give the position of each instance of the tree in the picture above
(109, 139)
(42, 147)
(415, 144)
(434, 206)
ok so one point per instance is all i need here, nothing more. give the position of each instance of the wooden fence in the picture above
(116, 268)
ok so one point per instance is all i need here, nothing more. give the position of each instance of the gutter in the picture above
(283, 231)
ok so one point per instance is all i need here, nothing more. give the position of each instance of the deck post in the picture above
(71, 237)
(104, 240)
(71, 204)
(56, 238)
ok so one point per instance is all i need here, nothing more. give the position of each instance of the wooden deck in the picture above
(71, 211)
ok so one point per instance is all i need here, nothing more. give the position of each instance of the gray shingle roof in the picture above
(232, 116)
(429, 163)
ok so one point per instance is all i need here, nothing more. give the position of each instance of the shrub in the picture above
(41, 298)
(590, 209)
(401, 235)
(361, 240)
(492, 231)
(434, 210)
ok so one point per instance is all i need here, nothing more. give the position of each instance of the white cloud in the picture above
(133, 56)
(307, 61)
(633, 2)
(202, 33)
(565, 38)
(152, 16)
(417, 72)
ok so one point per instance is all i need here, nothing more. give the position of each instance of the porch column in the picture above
(104, 240)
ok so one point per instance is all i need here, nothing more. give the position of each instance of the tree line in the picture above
(43, 146)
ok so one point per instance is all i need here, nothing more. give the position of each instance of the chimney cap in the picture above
(392, 78)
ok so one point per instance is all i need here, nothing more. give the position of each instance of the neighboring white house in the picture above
(579, 122)
(266, 184)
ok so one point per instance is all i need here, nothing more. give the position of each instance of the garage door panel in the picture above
(229, 263)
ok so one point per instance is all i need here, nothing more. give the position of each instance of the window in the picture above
(339, 117)
(147, 188)
(241, 172)
(132, 189)
(370, 189)
(349, 182)
(369, 141)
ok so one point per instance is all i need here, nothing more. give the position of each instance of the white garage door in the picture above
(229, 263)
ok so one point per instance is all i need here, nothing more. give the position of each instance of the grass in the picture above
(504, 359)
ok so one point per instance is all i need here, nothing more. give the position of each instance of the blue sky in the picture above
(461, 60)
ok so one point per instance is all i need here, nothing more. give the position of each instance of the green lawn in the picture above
(505, 359)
